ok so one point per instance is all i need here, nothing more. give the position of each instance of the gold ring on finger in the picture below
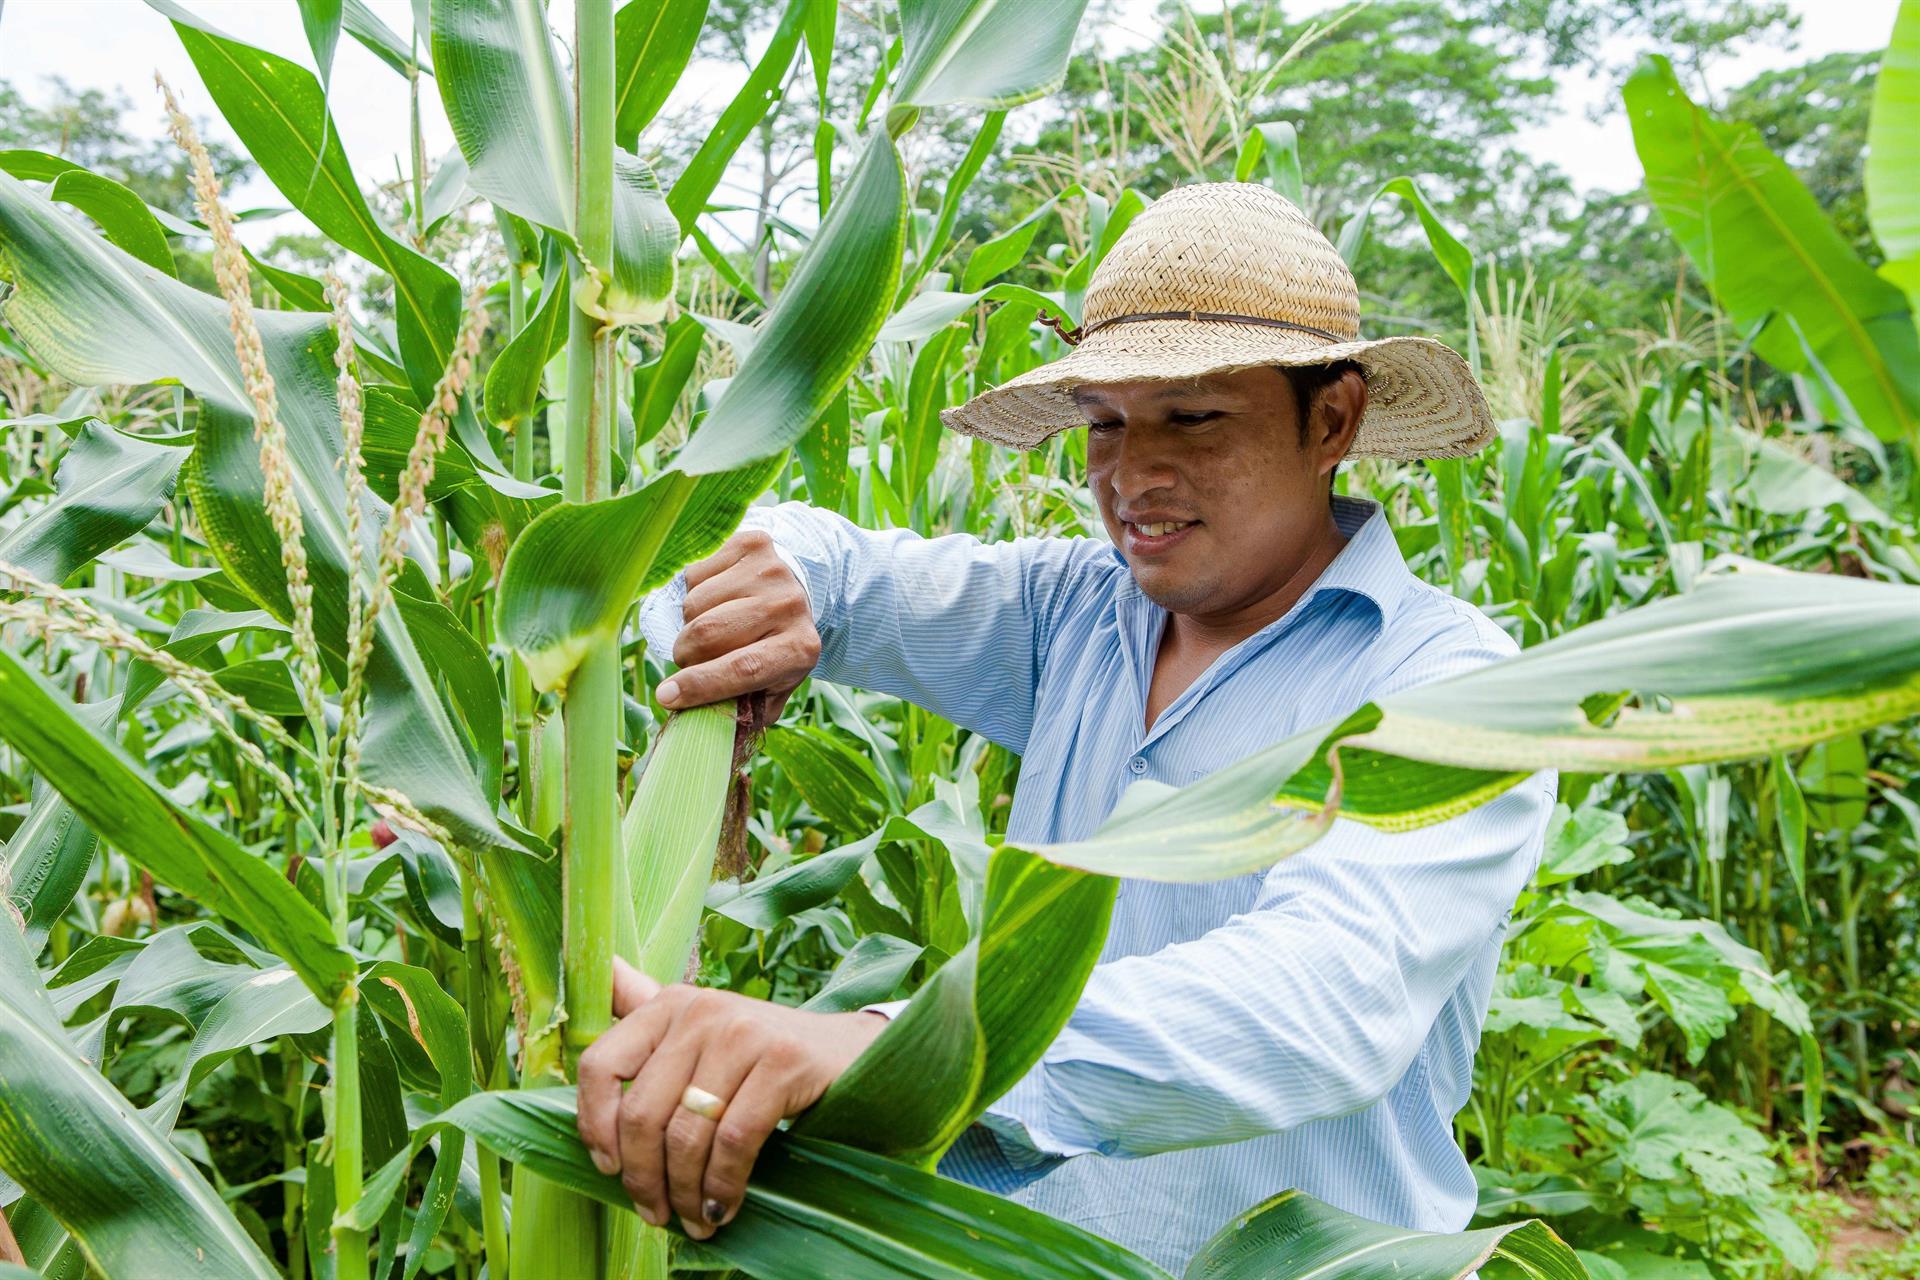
(702, 1103)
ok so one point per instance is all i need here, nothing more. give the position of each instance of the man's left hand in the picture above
(764, 1062)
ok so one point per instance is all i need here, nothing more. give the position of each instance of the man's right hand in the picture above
(748, 629)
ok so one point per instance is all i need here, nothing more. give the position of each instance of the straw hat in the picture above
(1230, 275)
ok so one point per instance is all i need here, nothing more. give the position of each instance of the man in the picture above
(1309, 1026)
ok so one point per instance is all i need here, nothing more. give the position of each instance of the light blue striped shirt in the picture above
(1309, 1026)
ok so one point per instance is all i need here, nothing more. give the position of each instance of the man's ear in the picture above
(1336, 417)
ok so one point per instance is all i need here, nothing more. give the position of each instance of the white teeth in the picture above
(1162, 528)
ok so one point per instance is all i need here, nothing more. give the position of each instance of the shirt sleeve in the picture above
(952, 624)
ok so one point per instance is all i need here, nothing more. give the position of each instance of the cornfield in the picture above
(336, 780)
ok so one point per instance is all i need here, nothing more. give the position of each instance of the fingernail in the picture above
(647, 1215)
(698, 1230)
(604, 1162)
(668, 691)
(713, 1211)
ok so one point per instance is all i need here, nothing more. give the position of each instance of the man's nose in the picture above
(1142, 466)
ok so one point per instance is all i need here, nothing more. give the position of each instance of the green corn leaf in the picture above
(511, 115)
(45, 860)
(577, 569)
(1893, 153)
(500, 82)
(279, 110)
(872, 970)
(513, 380)
(694, 186)
(1744, 665)
(652, 43)
(322, 19)
(981, 1022)
(1295, 1237)
(658, 383)
(812, 1208)
(1772, 256)
(270, 1003)
(837, 782)
(78, 1148)
(97, 316)
(821, 326)
(118, 212)
(380, 40)
(126, 807)
(986, 53)
(197, 633)
(108, 487)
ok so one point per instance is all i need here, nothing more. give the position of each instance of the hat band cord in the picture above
(1074, 337)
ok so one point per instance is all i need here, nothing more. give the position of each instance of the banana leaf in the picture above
(1893, 153)
(1772, 256)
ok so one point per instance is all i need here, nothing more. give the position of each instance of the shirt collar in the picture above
(1369, 567)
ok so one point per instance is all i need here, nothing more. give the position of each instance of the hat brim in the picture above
(1422, 401)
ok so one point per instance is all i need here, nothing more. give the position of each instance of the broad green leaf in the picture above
(279, 110)
(507, 102)
(270, 1003)
(645, 237)
(1790, 819)
(1833, 780)
(821, 326)
(127, 808)
(501, 85)
(694, 186)
(97, 316)
(652, 42)
(1771, 255)
(380, 40)
(837, 782)
(321, 19)
(929, 312)
(108, 487)
(985, 53)
(871, 971)
(1744, 665)
(198, 632)
(1893, 153)
(766, 900)
(80, 1150)
(1295, 1237)
(45, 861)
(576, 570)
(981, 1021)
(121, 214)
(513, 380)
(658, 383)
(1769, 476)
(670, 832)
(815, 1208)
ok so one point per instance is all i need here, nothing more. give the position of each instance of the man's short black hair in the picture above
(1309, 380)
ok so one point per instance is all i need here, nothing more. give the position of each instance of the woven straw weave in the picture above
(1241, 249)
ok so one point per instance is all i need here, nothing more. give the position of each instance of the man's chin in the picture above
(1172, 587)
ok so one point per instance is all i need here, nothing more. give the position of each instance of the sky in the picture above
(120, 43)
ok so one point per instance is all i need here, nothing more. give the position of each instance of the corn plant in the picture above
(467, 732)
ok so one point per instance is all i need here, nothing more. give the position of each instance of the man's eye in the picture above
(1101, 428)
(1194, 418)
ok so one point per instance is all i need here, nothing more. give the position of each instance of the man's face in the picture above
(1207, 487)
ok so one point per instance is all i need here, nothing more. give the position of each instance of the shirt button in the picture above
(1137, 765)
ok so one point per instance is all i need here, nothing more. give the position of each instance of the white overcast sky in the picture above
(119, 44)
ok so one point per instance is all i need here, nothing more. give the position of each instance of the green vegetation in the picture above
(321, 702)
